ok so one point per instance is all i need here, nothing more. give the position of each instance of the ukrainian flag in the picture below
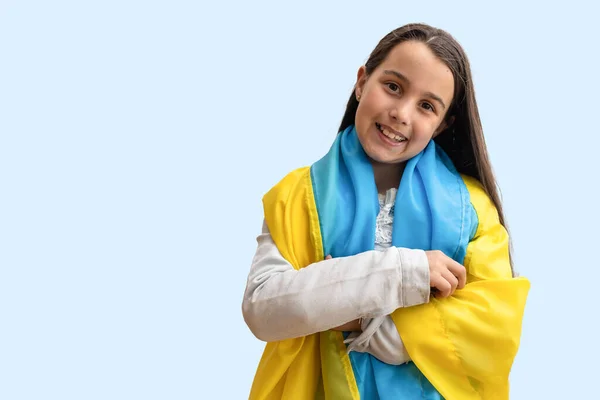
(462, 347)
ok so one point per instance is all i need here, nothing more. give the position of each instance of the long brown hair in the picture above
(463, 140)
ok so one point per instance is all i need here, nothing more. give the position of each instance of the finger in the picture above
(451, 279)
(462, 279)
(443, 286)
(459, 272)
(328, 257)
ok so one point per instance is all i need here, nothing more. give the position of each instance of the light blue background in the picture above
(137, 138)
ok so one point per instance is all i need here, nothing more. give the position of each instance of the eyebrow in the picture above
(405, 79)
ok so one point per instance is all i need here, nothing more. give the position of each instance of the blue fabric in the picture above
(432, 211)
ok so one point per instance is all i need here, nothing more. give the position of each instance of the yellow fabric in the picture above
(338, 376)
(465, 344)
(291, 369)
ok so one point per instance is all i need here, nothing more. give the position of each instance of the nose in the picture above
(400, 112)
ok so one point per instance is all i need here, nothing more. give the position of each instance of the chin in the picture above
(391, 162)
(384, 158)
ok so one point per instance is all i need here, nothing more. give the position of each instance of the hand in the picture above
(352, 326)
(445, 274)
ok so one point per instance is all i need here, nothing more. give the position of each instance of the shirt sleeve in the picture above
(281, 302)
(380, 338)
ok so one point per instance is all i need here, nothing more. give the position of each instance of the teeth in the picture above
(390, 134)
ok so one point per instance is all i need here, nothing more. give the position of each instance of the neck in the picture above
(387, 176)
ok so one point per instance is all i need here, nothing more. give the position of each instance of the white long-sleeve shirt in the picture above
(281, 302)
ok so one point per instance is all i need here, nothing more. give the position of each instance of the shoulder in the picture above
(288, 185)
(488, 253)
(481, 201)
(290, 212)
(477, 193)
(484, 210)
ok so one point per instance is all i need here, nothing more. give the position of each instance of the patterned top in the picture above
(385, 220)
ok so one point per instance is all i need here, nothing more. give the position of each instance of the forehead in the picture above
(421, 67)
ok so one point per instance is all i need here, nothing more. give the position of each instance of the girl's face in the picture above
(403, 103)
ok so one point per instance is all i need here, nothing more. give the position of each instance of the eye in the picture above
(393, 87)
(428, 106)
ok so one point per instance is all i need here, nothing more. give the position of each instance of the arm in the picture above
(281, 302)
(380, 338)
(472, 336)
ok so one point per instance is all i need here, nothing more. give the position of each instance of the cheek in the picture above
(370, 106)
(362, 117)
(426, 130)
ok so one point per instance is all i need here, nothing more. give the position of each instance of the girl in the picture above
(383, 270)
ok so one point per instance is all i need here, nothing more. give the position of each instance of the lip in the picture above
(389, 141)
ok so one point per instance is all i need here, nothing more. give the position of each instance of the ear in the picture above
(446, 123)
(361, 79)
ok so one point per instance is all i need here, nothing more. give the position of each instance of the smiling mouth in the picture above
(389, 134)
